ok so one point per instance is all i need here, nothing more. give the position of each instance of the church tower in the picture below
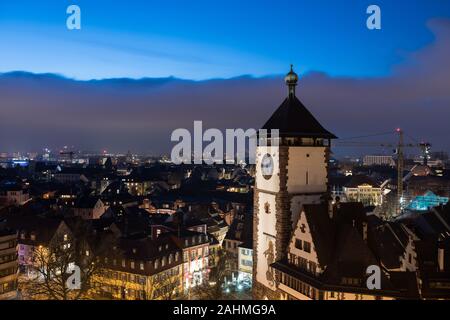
(290, 172)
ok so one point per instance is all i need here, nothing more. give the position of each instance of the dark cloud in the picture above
(122, 114)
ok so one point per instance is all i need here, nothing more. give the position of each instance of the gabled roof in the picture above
(44, 229)
(388, 241)
(322, 230)
(292, 119)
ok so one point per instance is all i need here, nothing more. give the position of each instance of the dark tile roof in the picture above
(343, 251)
(86, 202)
(322, 230)
(44, 229)
(241, 229)
(388, 241)
(294, 120)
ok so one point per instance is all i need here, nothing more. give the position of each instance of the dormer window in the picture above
(22, 235)
(170, 258)
(66, 237)
(156, 264)
(134, 250)
(33, 236)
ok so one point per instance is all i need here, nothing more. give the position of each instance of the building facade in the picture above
(306, 246)
(374, 160)
(8, 264)
(291, 171)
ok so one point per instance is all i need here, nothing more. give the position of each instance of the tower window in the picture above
(267, 208)
(298, 244)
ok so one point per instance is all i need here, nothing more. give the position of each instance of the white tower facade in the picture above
(288, 176)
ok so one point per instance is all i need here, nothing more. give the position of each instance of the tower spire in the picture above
(291, 81)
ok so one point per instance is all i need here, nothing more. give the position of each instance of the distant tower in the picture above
(288, 176)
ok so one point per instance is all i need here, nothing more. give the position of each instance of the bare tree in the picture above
(52, 272)
(166, 285)
(214, 289)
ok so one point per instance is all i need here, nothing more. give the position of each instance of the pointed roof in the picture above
(292, 119)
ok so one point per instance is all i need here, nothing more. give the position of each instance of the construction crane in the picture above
(400, 146)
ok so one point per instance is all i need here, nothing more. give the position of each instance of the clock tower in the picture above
(290, 172)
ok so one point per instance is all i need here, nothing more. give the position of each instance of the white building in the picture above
(372, 160)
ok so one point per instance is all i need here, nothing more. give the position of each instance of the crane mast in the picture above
(400, 148)
(400, 165)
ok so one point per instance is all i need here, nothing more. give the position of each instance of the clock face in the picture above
(267, 166)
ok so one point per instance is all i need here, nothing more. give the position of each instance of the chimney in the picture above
(333, 206)
(441, 259)
(364, 231)
(330, 208)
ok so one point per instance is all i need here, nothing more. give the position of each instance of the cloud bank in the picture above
(139, 115)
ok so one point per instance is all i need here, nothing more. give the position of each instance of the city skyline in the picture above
(375, 80)
(243, 155)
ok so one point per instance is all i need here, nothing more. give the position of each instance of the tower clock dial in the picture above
(267, 166)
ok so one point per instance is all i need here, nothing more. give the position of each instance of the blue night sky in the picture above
(212, 39)
(355, 81)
